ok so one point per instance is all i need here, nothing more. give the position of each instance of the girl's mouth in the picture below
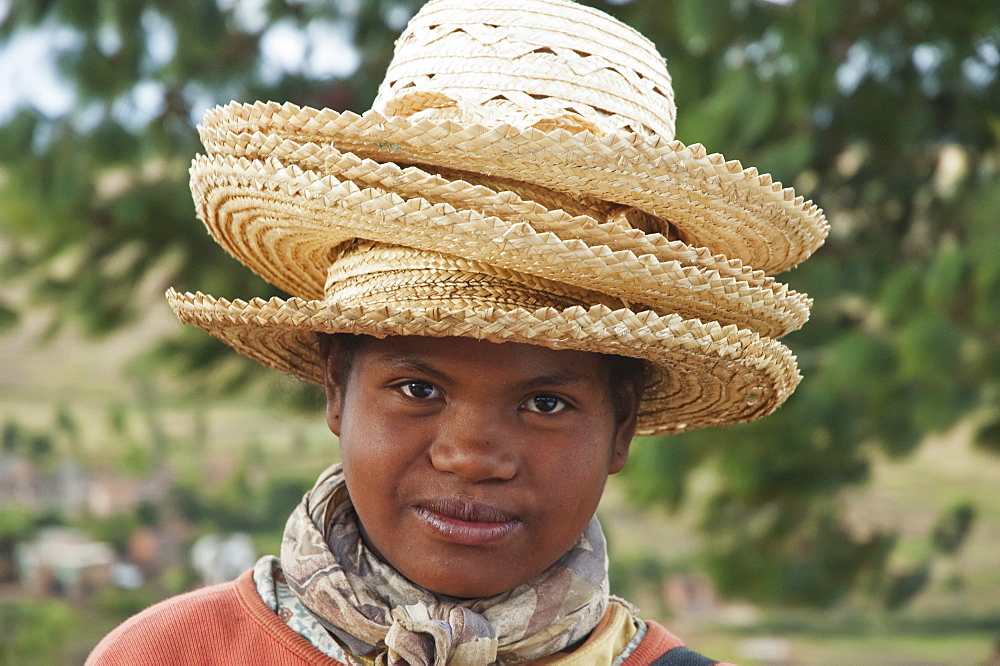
(466, 523)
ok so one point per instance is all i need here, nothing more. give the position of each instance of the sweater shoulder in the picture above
(178, 628)
(221, 624)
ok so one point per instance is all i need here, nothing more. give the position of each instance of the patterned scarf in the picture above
(377, 613)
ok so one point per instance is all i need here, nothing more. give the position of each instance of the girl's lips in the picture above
(466, 523)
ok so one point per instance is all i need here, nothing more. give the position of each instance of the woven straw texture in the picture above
(714, 203)
(517, 180)
(283, 223)
(704, 374)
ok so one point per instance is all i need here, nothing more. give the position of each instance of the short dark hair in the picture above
(345, 345)
(627, 375)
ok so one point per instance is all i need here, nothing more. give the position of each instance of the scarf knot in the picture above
(464, 637)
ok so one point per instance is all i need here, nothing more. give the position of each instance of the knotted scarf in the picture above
(375, 612)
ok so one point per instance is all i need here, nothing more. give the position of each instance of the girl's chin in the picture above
(464, 590)
(474, 582)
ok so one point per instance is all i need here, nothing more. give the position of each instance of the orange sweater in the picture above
(229, 624)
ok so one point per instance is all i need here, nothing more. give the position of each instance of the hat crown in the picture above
(547, 64)
(515, 181)
(371, 273)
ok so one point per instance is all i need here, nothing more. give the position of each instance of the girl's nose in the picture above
(474, 445)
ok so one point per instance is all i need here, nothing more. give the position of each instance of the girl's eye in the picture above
(419, 390)
(545, 404)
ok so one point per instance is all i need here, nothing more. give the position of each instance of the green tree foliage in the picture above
(886, 113)
(952, 528)
(16, 525)
(34, 631)
(95, 199)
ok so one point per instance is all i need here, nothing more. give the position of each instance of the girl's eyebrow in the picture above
(412, 363)
(557, 379)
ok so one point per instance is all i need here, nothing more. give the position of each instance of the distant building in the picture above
(72, 490)
(19, 481)
(218, 559)
(65, 562)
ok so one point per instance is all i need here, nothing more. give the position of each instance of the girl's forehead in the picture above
(448, 356)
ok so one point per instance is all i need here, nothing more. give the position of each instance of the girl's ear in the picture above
(334, 391)
(333, 404)
(624, 432)
(620, 447)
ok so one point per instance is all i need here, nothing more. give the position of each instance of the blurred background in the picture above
(858, 524)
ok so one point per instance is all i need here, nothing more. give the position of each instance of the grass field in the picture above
(955, 621)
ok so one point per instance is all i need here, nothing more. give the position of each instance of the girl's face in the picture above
(474, 466)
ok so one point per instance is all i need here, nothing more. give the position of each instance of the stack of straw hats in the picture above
(517, 179)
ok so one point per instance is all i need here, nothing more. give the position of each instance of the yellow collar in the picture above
(608, 640)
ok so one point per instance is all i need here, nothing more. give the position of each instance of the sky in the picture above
(29, 75)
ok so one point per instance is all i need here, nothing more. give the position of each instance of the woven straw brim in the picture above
(703, 374)
(714, 203)
(284, 222)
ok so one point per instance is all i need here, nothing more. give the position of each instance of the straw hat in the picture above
(516, 180)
